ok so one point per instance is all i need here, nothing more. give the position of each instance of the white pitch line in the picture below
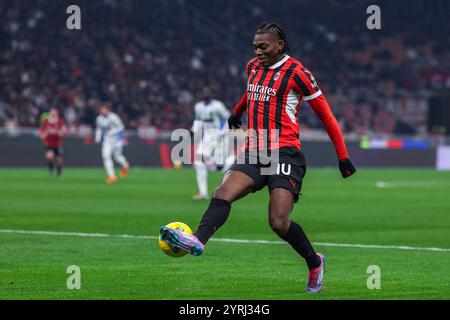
(128, 236)
(420, 184)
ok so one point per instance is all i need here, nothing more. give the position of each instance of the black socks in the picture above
(214, 217)
(50, 166)
(297, 238)
(58, 170)
(218, 212)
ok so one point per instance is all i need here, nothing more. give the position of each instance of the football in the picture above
(170, 250)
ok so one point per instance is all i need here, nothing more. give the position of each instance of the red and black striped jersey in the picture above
(273, 98)
(52, 131)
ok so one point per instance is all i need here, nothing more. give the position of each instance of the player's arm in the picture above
(197, 124)
(63, 129)
(307, 86)
(323, 111)
(224, 113)
(98, 131)
(117, 126)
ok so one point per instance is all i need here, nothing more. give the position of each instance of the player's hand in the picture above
(63, 132)
(234, 122)
(346, 167)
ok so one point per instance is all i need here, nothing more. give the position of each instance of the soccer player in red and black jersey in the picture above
(51, 132)
(277, 85)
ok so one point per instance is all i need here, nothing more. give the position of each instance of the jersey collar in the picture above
(279, 63)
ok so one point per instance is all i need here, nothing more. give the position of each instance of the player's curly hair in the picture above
(268, 27)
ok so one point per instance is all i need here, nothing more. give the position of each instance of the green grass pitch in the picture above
(375, 207)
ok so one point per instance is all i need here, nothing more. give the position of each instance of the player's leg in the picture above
(108, 162)
(50, 156)
(201, 170)
(201, 175)
(235, 185)
(59, 165)
(280, 206)
(224, 156)
(283, 193)
(59, 162)
(120, 159)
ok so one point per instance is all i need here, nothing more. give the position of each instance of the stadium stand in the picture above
(150, 59)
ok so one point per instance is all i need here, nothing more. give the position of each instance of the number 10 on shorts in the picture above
(284, 168)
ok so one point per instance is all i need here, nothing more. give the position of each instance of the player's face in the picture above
(207, 94)
(104, 111)
(53, 113)
(267, 48)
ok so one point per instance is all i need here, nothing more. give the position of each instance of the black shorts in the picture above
(58, 151)
(289, 174)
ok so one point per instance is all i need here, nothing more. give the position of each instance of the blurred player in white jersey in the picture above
(110, 131)
(212, 150)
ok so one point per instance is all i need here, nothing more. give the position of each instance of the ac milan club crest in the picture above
(276, 76)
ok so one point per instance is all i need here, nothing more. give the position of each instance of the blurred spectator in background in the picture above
(148, 58)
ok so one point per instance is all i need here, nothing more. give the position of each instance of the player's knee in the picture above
(198, 164)
(106, 153)
(222, 192)
(279, 224)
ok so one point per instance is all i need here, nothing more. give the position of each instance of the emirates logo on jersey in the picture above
(260, 93)
(276, 76)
